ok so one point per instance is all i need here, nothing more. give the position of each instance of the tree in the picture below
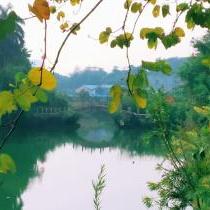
(13, 54)
(195, 72)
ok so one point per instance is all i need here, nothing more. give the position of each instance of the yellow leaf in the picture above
(64, 26)
(60, 15)
(48, 82)
(127, 4)
(156, 11)
(74, 2)
(179, 32)
(152, 1)
(114, 105)
(7, 164)
(205, 110)
(140, 101)
(52, 9)
(7, 102)
(115, 93)
(40, 9)
(144, 32)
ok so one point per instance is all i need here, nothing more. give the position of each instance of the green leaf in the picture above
(115, 93)
(104, 37)
(136, 7)
(157, 32)
(127, 4)
(7, 103)
(76, 28)
(152, 1)
(108, 30)
(165, 10)
(170, 40)
(156, 11)
(152, 42)
(141, 80)
(182, 7)
(19, 76)
(7, 164)
(124, 39)
(25, 97)
(41, 95)
(130, 81)
(160, 65)
(113, 43)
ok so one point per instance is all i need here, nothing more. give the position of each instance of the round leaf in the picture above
(48, 80)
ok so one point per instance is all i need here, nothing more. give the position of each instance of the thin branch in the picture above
(127, 50)
(45, 52)
(71, 31)
(28, 18)
(137, 19)
(13, 126)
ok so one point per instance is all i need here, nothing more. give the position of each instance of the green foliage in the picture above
(198, 15)
(147, 201)
(206, 62)
(122, 40)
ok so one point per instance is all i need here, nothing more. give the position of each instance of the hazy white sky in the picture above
(82, 51)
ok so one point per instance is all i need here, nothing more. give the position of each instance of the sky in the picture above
(84, 49)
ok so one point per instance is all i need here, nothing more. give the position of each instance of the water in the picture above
(55, 168)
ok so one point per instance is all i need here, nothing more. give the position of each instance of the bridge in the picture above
(78, 106)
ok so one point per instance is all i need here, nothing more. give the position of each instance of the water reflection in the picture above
(65, 182)
(55, 167)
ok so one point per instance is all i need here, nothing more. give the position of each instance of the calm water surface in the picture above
(55, 169)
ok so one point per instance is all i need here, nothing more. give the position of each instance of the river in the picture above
(55, 168)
